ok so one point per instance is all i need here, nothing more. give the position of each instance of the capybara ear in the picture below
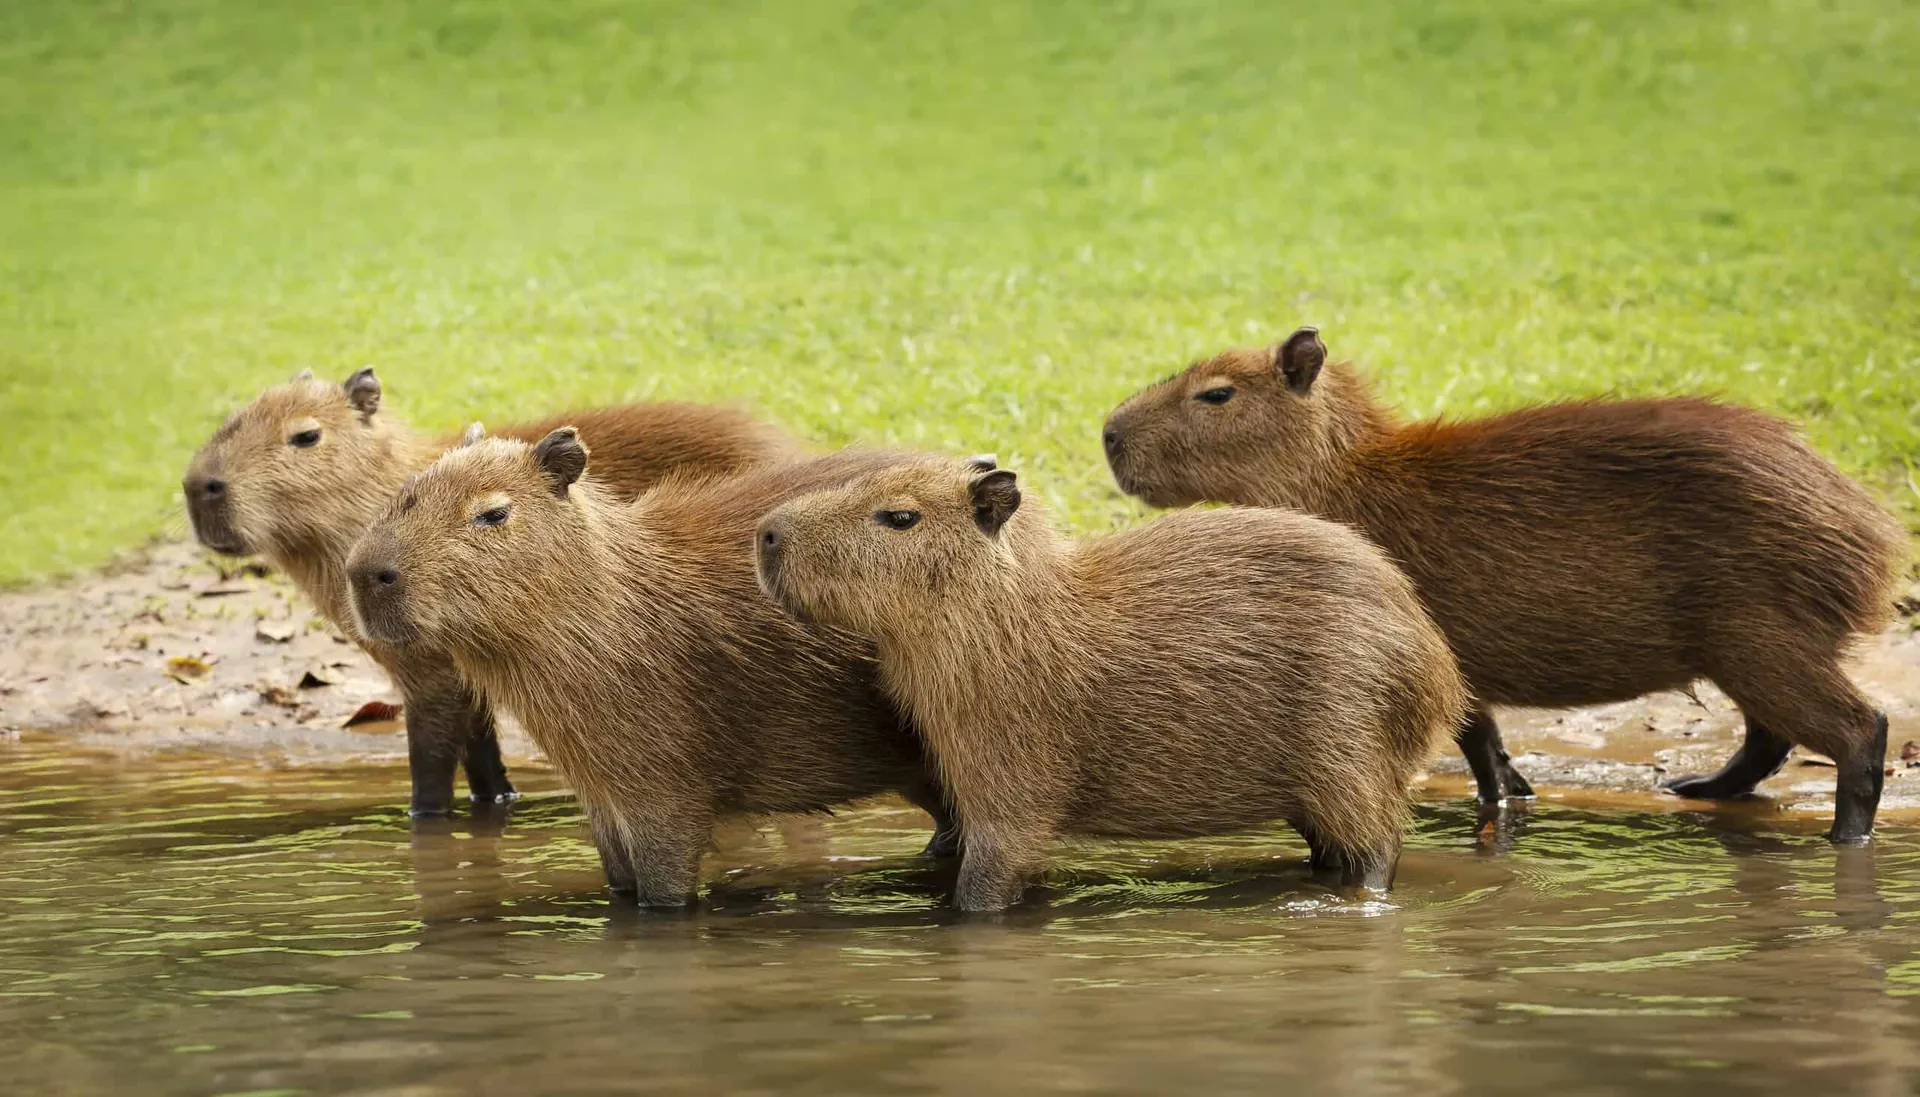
(983, 462)
(363, 392)
(563, 456)
(995, 498)
(474, 432)
(303, 375)
(1299, 359)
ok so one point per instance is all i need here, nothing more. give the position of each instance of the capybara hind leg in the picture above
(665, 855)
(487, 779)
(1322, 857)
(1759, 757)
(946, 827)
(1493, 772)
(1857, 792)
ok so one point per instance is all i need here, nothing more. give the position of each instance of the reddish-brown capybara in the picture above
(1574, 553)
(632, 643)
(1209, 672)
(297, 474)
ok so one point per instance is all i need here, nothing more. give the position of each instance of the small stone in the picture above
(274, 632)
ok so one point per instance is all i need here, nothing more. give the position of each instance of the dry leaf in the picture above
(374, 712)
(1812, 759)
(1910, 752)
(318, 676)
(221, 590)
(188, 668)
(279, 695)
(278, 632)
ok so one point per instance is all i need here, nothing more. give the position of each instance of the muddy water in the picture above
(182, 924)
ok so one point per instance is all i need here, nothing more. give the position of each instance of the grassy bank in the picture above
(962, 225)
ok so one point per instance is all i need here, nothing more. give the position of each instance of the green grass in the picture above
(972, 226)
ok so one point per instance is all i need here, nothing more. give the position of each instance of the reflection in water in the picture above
(176, 926)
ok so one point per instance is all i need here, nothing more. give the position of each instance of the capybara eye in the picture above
(495, 517)
(305, 439)
(897, 519)
(1216, 397)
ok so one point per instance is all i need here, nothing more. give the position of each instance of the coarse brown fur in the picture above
(633, 645)
(302, 507)
(1209, 672)
(1574, 553)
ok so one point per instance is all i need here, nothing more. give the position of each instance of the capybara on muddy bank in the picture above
(633, 645)
(1574, 553)
(297, 475)
(1203, 674)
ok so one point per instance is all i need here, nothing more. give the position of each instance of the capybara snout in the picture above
(378, 589)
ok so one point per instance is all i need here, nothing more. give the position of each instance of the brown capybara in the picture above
(297, 475)
(632, 643)
(1209, 672)
(1575, 553)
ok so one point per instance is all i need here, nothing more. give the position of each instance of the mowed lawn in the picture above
(966, 225)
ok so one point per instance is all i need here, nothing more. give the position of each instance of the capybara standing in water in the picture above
(633, 645)
(1206, 673)
(1575, 553)
(297, 475)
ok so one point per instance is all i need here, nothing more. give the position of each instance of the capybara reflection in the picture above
(297, 474)
(632, 643)
(1574, 553)
(1206, 673)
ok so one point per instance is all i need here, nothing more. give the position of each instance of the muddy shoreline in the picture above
(173, 649)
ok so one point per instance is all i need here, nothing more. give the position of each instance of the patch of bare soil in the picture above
(176, 649)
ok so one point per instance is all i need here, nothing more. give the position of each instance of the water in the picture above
(181, 925)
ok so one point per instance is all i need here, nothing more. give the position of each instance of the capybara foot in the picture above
(507, 797)
(1517, 786)
(1372, 870)
(944, 844)
(1759, 757)
(1857, 790)
(1494, 778)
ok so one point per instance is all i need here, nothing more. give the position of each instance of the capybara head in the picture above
(289, 468)
(1229, 428)
(489, 532)
(893, 546)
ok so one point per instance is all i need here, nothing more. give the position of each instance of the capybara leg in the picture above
(1321, 856)
(665, 855)
(1857, 792)
(1759, 757)
(486, 771)
(931, 799)
(614, 860)
(993, 869)
(1372, 868)
(435, 734)
(1493, 772)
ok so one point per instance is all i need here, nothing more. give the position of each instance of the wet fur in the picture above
(1207, 673)
(633, 645)
(303, 511)
(1574, 553)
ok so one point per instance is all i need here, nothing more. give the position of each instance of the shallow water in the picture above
(182, 925)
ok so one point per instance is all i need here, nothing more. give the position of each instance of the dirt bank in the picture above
(175, 650)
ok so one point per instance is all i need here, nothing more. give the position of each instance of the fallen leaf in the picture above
(221, 590)
(279, 695)
(278, 632)
(1812, 759)
(374, 712)
(1910, 751)
(188, 668)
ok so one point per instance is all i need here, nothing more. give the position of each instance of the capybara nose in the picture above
(213, 489)
(768, 542)
(1111, 438)
(375, 584)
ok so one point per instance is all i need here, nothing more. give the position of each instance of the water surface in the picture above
(179, 924)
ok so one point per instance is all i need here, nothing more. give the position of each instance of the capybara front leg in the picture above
(487, 780)
(1760, 756)
(436, 725)
(615, 862)
(1857, 792)
(994, 868)
(932, 799)
(1493, 773)
(1372, 868)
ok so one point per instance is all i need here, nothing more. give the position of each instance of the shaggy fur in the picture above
(633, 645)
(1574, 553)
(1203, 674)
(251, 489)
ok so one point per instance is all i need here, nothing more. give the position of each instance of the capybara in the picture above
(632, 643)
(1574, 553)
(297, 475)
(1209, 672)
